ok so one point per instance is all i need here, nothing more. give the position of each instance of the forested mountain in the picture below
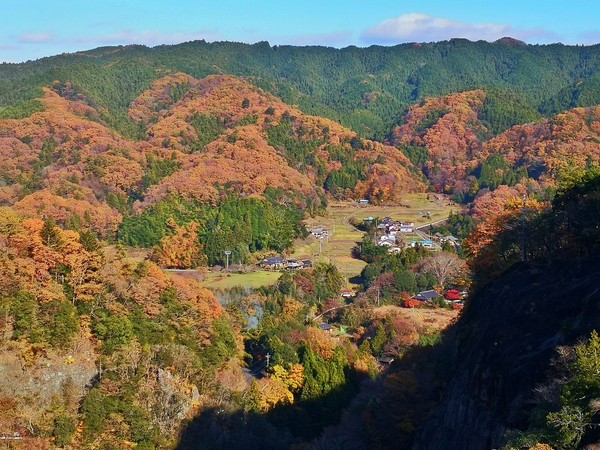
(365, 88)
(451, 140)
(194, 149)
(202, 144)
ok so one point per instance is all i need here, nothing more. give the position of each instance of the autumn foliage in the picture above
(449, 129)
(205, 140)
(182, 249)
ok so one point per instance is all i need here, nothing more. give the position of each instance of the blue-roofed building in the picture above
(427, 296)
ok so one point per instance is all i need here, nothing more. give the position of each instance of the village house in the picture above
(427, 296)
(347, 293)
(427, 243)
(273, 263)
(386, 360)
(387, 241)
(279, 263)
(319, 232)
(407, 227)
(325, 327)
(292, 264)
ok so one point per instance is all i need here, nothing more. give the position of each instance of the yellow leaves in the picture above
(35, 260)
(278, 372)
(292, 378)
(10, 221)
(320, 342)
(364, 362)
(84, 267)
(85, 326)
(181, 250)
(295, 379)
(291, 307)
(70, 242)
(121, 174)
(269, 393)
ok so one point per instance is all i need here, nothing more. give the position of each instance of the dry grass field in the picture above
(425, 319)
(218, 280)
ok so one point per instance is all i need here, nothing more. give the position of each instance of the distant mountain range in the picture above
(366, 89)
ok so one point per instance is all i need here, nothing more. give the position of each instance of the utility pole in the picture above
(268, 357)
(227, 253)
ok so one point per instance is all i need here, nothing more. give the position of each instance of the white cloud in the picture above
(35, 38)
(417, 27)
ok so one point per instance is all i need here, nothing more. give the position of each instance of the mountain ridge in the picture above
(365, 88)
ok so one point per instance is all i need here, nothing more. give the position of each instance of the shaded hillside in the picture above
(365, 88)
(508, 339)
(509, 379)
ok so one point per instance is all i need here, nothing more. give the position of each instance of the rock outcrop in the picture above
(508, 339)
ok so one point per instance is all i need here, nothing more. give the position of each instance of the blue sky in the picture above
(32, 29)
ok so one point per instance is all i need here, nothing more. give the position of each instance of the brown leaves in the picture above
(246, 165)
(102, 218)
(571, 139)
(449, 128)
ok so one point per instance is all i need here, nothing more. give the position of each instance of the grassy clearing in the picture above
(428, 320)
(254, 280)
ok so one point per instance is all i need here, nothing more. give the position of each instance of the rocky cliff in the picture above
(507, 340)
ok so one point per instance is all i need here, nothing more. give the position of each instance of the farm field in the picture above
(337, 248)
(216, 280)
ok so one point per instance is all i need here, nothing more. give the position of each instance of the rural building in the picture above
(347, 293)
(407, 227)
(387, 360)
(273, 263)
(293, 264)
(427, 296)
(325, 327)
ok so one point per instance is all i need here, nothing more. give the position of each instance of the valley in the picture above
(338, 246)
(431, 225)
